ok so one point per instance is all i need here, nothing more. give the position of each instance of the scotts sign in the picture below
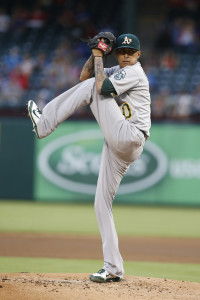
(72, 163)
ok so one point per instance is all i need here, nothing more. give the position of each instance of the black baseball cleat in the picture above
(103, 276)
(34, 113)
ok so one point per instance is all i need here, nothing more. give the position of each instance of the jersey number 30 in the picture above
(126, 110)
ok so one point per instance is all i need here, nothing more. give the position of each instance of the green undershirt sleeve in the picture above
(107, 87)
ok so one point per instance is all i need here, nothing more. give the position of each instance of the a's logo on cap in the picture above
(127, 40)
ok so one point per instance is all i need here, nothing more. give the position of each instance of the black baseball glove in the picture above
(107, 46)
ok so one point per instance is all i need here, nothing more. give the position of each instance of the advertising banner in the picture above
(168, 172)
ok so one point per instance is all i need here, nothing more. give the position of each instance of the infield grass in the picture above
(80, 219)
(186, 272)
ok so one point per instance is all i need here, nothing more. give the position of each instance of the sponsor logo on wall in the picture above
(72, 162)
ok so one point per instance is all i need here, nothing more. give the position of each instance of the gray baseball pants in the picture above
(123, 144)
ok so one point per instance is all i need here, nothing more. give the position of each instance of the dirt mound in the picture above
(26, 286)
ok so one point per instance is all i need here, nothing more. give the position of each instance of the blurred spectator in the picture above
(40, 62)
(4, 20)
(13, 58)
(169, 60)
(184, 105)
(11, 92)
(184, 35)
(37, 18)
(44, 94)
(19, 19)
(180, 29)
(27, 65)
(19, 78)
(152, 74)
(158, 106)
(164, 105)
(170, 105)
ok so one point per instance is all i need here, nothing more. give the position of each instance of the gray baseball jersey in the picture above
(132, 87)
(123, 141)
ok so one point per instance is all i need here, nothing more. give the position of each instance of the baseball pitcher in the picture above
(119, 99)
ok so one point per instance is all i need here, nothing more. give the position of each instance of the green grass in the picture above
(186, 272)
(80, 219)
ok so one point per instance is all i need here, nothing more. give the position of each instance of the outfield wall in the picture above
(64, 166)
(16, 159)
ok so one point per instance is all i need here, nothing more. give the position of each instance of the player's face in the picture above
(127, 56)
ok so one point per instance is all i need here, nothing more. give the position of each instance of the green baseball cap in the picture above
(128, 40)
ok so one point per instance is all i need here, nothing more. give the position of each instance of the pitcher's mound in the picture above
(27, 286)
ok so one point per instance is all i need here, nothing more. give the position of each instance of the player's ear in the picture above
(139, 54)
